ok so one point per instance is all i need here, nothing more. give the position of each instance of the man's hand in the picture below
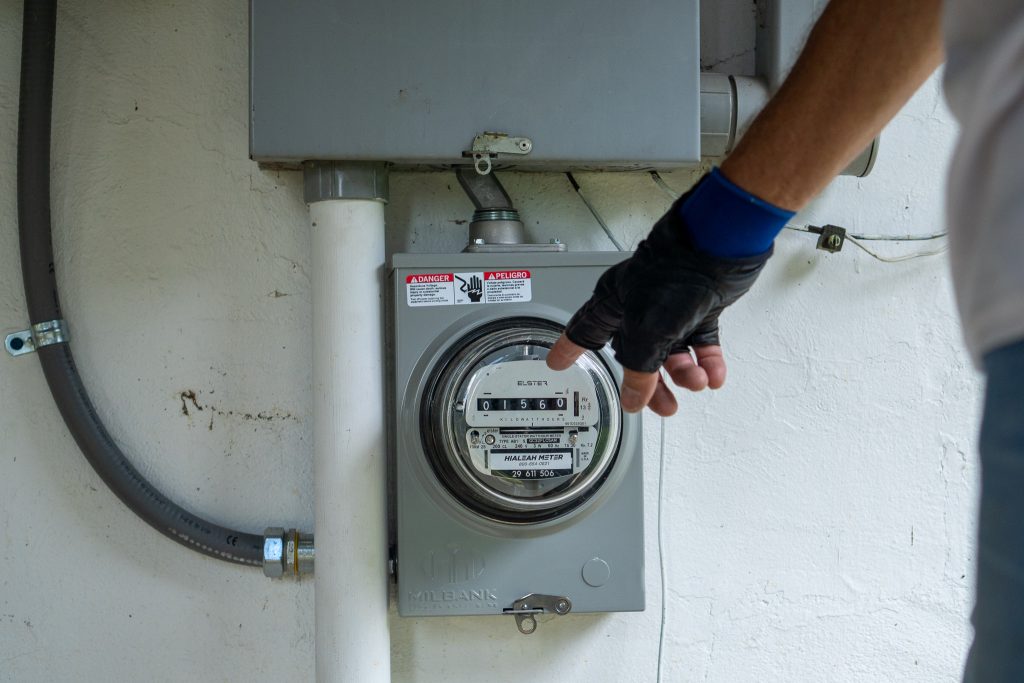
(646, 388)
(655, 307)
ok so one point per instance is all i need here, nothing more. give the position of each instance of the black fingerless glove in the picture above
(663, 299)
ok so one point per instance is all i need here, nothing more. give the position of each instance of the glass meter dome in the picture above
(511, 439)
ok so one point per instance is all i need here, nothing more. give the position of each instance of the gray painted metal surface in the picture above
(450, 561)
(592, 83)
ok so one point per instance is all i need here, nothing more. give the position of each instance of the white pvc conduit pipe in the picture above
(352, 643)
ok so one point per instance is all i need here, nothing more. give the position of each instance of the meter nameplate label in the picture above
(537, 464)
(457, 289)
(531, 460)
(526, 421)
(553, 453)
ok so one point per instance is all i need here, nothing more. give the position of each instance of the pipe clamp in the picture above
(36, 337)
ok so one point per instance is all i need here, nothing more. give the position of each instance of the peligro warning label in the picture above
(456, 289)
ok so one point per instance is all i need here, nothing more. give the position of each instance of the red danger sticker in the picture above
(507, 275)
(428, 277)
(457, 289)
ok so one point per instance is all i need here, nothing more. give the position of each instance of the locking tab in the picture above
(525, 608)
(487, 146)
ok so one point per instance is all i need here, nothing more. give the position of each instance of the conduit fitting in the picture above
(287, 553)
(495, 219)
(728, 104)
(496, 226)
(323, 180)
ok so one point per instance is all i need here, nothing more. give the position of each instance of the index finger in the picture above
(564, 353)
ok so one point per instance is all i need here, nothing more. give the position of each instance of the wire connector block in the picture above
(830, 237)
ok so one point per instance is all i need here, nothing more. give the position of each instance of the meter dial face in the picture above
(510, 438)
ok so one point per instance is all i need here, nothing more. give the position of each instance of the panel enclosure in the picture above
(450, 561)
(593, 83)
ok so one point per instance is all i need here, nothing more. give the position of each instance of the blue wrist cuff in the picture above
(727, 221)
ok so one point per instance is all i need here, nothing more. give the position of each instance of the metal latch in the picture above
(525, 608)
(487, 146)
(36, 337)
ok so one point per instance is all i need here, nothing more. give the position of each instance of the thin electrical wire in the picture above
(897, 259)
(898, 238)
(594, 213)
(878, 238)
(798, 228)
(661, 551)
(855, 240)
(660, 182)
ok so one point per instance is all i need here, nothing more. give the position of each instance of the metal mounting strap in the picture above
(36, 337)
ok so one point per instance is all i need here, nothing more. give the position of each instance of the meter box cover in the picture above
(591, 83)
(511, 480)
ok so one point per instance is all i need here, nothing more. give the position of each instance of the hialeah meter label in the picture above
(457, 289)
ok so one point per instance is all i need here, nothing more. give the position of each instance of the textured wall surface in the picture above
(818, 511)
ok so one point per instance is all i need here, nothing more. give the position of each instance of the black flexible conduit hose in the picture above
(37, 50)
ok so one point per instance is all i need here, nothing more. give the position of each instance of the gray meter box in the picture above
(511, 480)
(592, 83)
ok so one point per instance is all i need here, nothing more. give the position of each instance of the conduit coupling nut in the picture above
(287, 553)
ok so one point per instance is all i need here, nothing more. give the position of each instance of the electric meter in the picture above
(510, 438)
(516, 489)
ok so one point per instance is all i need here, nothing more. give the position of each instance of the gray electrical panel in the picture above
(517, 489)
(588, 83)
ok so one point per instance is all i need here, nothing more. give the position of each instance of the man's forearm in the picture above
(862, 62)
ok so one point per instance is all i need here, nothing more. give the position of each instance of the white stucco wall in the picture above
(818, 511)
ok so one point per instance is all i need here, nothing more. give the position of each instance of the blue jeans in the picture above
(997, 654)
